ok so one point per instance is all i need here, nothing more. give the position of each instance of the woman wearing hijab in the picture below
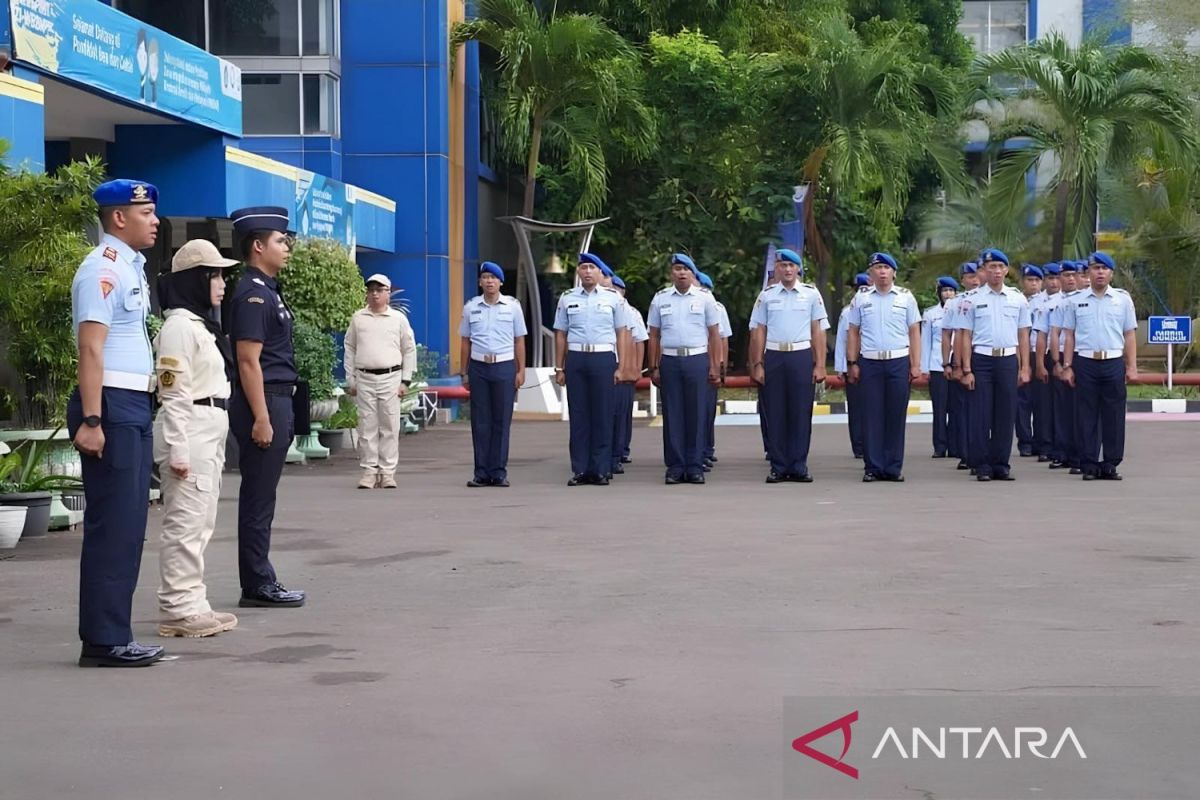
(194, 365)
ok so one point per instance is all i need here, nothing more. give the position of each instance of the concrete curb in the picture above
(1162, 406)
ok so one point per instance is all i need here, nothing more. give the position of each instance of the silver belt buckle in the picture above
(885, 355)
(489, 358)
(997, 352)
(785, 347)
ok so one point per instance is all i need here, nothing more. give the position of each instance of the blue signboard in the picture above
(1170, 330)
(324, 208)
(101, 48)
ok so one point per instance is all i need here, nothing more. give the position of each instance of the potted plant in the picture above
(336, 430)
(24, 483)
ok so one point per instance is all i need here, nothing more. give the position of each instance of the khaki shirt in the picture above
(379, 341)
(189, 367)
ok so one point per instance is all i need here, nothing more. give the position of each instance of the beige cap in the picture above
(381, 279)
(200, 253)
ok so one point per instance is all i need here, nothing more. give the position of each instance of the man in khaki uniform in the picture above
(381, 356)
(194, 365)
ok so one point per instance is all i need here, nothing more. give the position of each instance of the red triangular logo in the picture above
(801, 745)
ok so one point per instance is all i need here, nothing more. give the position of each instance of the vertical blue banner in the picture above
(87, 42)
(324, 209)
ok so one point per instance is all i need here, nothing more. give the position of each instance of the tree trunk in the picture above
(1062, 197)
(531, 165)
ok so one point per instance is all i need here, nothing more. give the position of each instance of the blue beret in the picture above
(1068, 266)
(1053, 268)
(993, 255)
(122, 192)
(683, 258)
(968, 268)
(882, 258)
(705, 281)
(784, 254)
(1103, 259)
(947, 282)
(1032, 271)
(491, 268)
(617, 282)
(862, 279)
(260, 218)
(592, 258)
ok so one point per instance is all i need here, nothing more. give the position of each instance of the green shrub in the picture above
(322, 284)
(315, 358)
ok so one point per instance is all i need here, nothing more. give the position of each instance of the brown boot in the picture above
(387, 481)
(368, 480)
(228, 621)
(197, 626)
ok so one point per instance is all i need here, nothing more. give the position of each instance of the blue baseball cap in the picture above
(598, 262)
(786, 254)
(882, 258)
(705, 281)
(947, 282)
(991, 254)
(1053, 268)
(686, 260)
(124, 192)
(1032, 271)
(491, 268)
(968, 268)
(260, 218)
(1103, 259)
(617, 282)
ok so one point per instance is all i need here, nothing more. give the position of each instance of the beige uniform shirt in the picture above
(189, 367)
(379, 341)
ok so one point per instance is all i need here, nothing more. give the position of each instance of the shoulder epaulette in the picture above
(902, 290)
(1119, 289)
(664, 290)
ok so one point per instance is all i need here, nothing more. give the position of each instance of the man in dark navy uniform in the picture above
(260, 415)
(109, 420)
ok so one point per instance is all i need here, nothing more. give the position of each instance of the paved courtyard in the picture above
(629, 642)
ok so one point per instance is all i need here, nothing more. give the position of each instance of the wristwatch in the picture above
(92, 421)
(851, 363)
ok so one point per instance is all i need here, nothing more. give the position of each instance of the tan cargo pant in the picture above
(378, 421)
(189, 513)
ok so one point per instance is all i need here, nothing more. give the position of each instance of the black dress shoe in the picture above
(618, 469)
(774, 477)
(869, 478)
(1076, 471)
(1056, 464)
(939, 455)
(626, 460)
(894, 478)
(475, 483)
(706, 467)
(713, 458)
(1110, 476)
(1044, 459)
(672, 480)
(127, 655)
(695, 478)
(502, 483)
(599, 480)
(962, 465)
(272, 595)
(973, 472)
(859, 456)
(796, 477)
(1087, 476)
(577, 480)
(1025, 453)
(983, 478)
(1003, 476)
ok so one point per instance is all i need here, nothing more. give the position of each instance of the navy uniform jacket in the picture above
(259, 314)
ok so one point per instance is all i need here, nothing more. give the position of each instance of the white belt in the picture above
(996, 352)
(491, 358)
(1100, 355)
(884, 355)
(684, 352)
(592, 348)
(787, 347)
(129, 380)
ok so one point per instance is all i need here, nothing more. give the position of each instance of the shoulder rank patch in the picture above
(168, 361)
(106, 287)
(110, 253)
(166, 380)
(255, 298)
(259, 281)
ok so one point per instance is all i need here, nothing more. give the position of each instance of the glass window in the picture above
(320, 104)
(993, 25)
(181, 18)
(319, 38)
(270, 103)
(254, 27)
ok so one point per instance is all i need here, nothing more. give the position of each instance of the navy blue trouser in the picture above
(1100, 418)
(762, 419)
(960, 402)
(710, 433)
(260, 470)
(492, 393)
(1026, 405)
(1065, 449)
(939, 393)
(885, 393)
(590, 395)
(622, 421)
(854, 417)
(684, 384)
(116, 487)
(789, 389)
(1043, 415)
(993, 413)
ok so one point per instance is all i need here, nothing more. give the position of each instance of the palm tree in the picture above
(1089, 108)
(563, 82)
(878, 113)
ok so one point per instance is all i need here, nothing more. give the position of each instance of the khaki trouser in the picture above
(378, 420)
(189, 513)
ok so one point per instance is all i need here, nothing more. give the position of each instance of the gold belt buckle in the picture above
(997, 352)
(1099, 355)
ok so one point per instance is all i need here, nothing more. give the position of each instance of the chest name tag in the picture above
(696, 308)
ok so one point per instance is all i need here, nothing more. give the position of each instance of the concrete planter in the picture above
(37, 505)
(12, 523)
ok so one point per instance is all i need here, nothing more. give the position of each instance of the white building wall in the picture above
(1063, 16)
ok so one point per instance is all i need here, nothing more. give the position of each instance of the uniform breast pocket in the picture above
(133, 300)
(666, 315)
(476, 322)
(1012, 312)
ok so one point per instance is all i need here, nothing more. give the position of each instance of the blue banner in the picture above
(324, 208)
(87, 42)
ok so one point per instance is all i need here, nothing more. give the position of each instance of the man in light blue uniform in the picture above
(1101, 328)
(994, 351)
(931, 363)
(1031, 287)
(589, 332)
(710, 439)
(1043, 408)
(883, 351)
(627, 389)
(492, 351)
(1066, 455)
(109, 420)
(787, 355)
(684, 355)
(854, 410)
